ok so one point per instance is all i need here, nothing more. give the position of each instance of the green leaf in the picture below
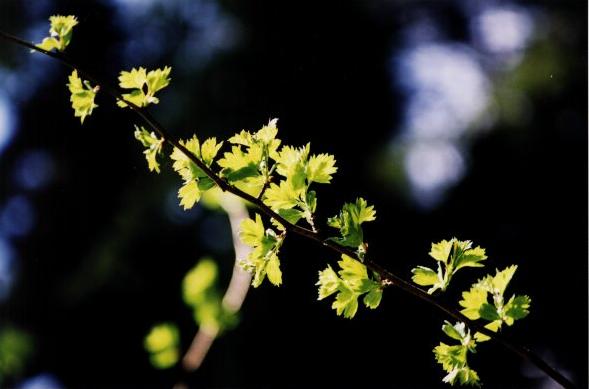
(328, 283)
(158, 79)
(244, 138)
(517, 308)
(189, 194)
(489, 312)
(209, 150)
(252, 232)
(502, 279)
(450, 255)
(365, 212)
(424, 276)
(134, 79)
(242, 168)
(441, 251)
(153, 146)
(352, 272)
(291, 215)
(352, 282)
(450, 357)
(273, 270)
(457, 331)
(470, 258)
(263, 260)
(372, 298)
(82, 96)
(454, 361)
(268, 133)
(280, 196)
(472, 302)
(60, 32)
(346, 302)
(349, 222)
(492, 326)
(320, 168)
(183, 164)
(49, 44)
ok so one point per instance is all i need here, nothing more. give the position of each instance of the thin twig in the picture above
(386, 276)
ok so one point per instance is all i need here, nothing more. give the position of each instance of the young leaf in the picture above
(320, 169)
(502, 279)
(453, 358)
(441, 251)
(352, 282)
(189, 194)
(273, 270)
(450, 255)
(252, 232)
(281, 196)
(372, 298)
(476, 305)
(209, 150)
(517, 308)
(263, 260)
(153, 146)
(328, 282)
(349, 222)
(60, 33)
(424, 276)
(195, 180)
(346, 302)
(82, 96)
(352, 272)
(143, 85)
(472, 302)
(470, 258)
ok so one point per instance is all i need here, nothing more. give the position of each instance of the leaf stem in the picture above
(387, 277)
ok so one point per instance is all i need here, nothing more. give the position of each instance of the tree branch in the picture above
(386, 276)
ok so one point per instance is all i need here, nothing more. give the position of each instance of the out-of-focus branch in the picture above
(236, 291)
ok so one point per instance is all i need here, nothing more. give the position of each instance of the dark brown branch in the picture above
(387, 277)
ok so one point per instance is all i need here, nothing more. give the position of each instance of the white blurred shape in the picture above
(447, 84)
(432, 166)
(503, 30)
(448, 92)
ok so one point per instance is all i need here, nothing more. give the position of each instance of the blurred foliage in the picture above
(162, 344)
(200, 292)
(16, 347)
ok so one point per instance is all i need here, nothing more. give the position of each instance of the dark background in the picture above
(94, 247)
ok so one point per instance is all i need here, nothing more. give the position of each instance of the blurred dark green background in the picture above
(455, 118)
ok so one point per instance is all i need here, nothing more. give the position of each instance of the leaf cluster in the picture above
(82, 96)
(143, 85)
(350, 282)
(349, 222)
(60, 33)
(454, 358)
(476, 304)
(451, 256)
(263, 260)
